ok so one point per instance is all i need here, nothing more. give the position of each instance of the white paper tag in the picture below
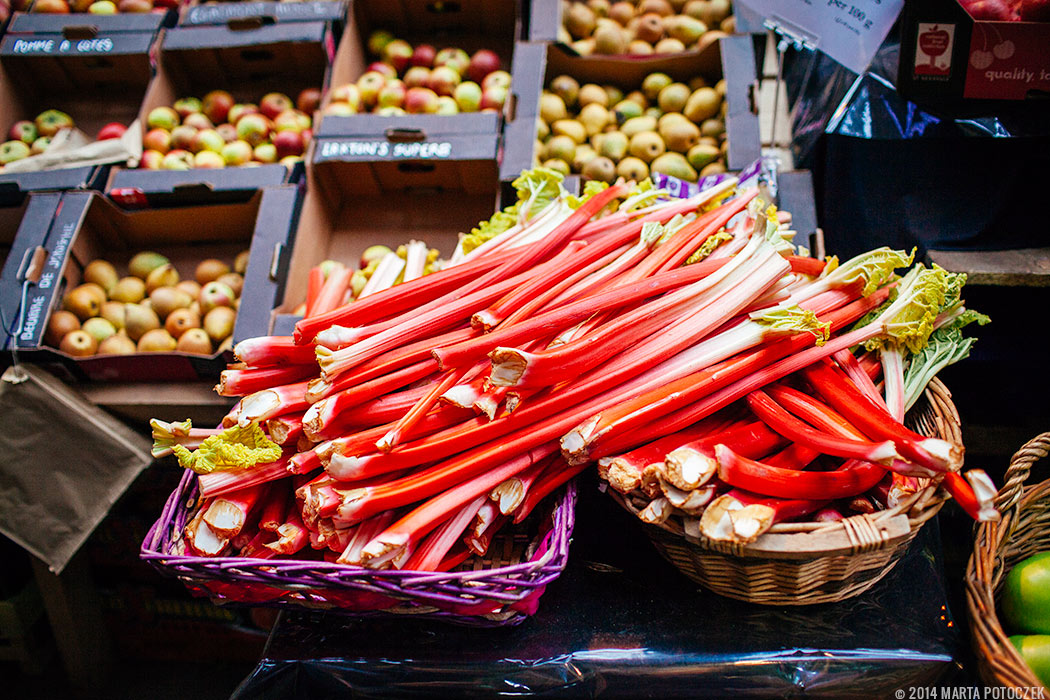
(850, 31)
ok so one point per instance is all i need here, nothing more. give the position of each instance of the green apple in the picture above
(103, 7)
(208, 159)
(13, 150)
(177, 160)
(24, 131)
(237, 152)
(253, 128)
(162, 118)
(40, 145)
(265, 153)
(468, 96)
(207, 140)
(52, 121)
(186, 106)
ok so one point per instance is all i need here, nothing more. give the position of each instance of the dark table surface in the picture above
(622, 622)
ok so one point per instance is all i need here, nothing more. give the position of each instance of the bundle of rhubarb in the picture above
(402, 429)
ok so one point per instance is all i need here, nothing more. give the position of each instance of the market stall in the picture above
(503, 347)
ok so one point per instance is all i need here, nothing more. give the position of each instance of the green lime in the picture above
(1026, 595)
(1035, 650)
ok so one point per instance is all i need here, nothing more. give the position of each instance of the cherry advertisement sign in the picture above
(1008, 60)
(933, 50)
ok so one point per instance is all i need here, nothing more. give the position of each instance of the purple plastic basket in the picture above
(488, 593)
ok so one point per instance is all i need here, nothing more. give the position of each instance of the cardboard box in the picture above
(96, 80)
(947, 56)
(248, 63)
(23, 228)
(89, 226)
(353, 203)
(248, 13)
(730, 57)
(83, 25)
(470, 25)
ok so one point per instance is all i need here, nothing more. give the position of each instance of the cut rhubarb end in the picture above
(750, 522)
(985, 492)
(342, 467)
(462, 395)
(691, 502)
(201, 540)
(258, 405)
(224, 518)
(689, 469)
(948, 453)
(508, 364)
(715, 523)
(658, 511)
(384, 551)
(623, 476)
(351, 505)
(484, 319)
(509, 494)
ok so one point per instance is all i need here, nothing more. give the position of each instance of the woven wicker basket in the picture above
(804, 563)
(1023, 531)
(503, 588)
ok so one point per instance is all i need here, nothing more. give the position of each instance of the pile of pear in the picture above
(643, 27)
(664, 126)
(151, 309)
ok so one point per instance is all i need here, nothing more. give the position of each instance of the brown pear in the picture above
(138, 320)
(579, 20)
(156, 340)
(118, 344)
(194, 340)
(164, 276)
(164, 300)
(60, 323)
(129, 290)
(102, 273)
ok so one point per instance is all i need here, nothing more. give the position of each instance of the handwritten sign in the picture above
(850, 31)
(383, 149)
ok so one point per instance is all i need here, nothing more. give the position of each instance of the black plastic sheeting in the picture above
(891, 172)
(623, 623)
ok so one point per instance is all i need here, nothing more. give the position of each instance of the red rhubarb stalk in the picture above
(223, 482)
(241, 382)
(272, 402)
(227, 514)
(853, 478)
(432, 552)
(271, 350)
(314, 285)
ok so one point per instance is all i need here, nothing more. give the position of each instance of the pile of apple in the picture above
(31, 138)
(216, 131)
(643, 27)
(149, 310)
(663, 127)
(102, 7)
(1008, 11)
(422, 80)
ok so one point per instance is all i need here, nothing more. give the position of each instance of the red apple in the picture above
(52, 121)
(421, 101)
(392, 94)
(417, 76)
(239, 110)
(237, 152)
(481, 64)
(349, 94)
(208, 159)
(135, 6)
(423, 55)
(369, 85)
(443, 80)
(162, 118)
(385, 68)
(227, 131)
(288, 143)
(493, 98)
(991, 10)
(468, 96)
(265, 153)
(308, 135)
(291, 120)
(274, 103)
(177, 160)
(186, 106)
(398, 53)
(157, 140)
(51, 7)
(499, 78)
(198, 120)
(339, 109)
(457, 59)
(253, 128)
(309, 100)
(182, 137)
(151, 160)
(216, 105)
(113, 130)
(207, 140)
(25, 131)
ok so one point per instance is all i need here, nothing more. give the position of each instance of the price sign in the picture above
(850, 31)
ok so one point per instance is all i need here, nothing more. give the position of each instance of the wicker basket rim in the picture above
(807, 540)
(999, 662)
